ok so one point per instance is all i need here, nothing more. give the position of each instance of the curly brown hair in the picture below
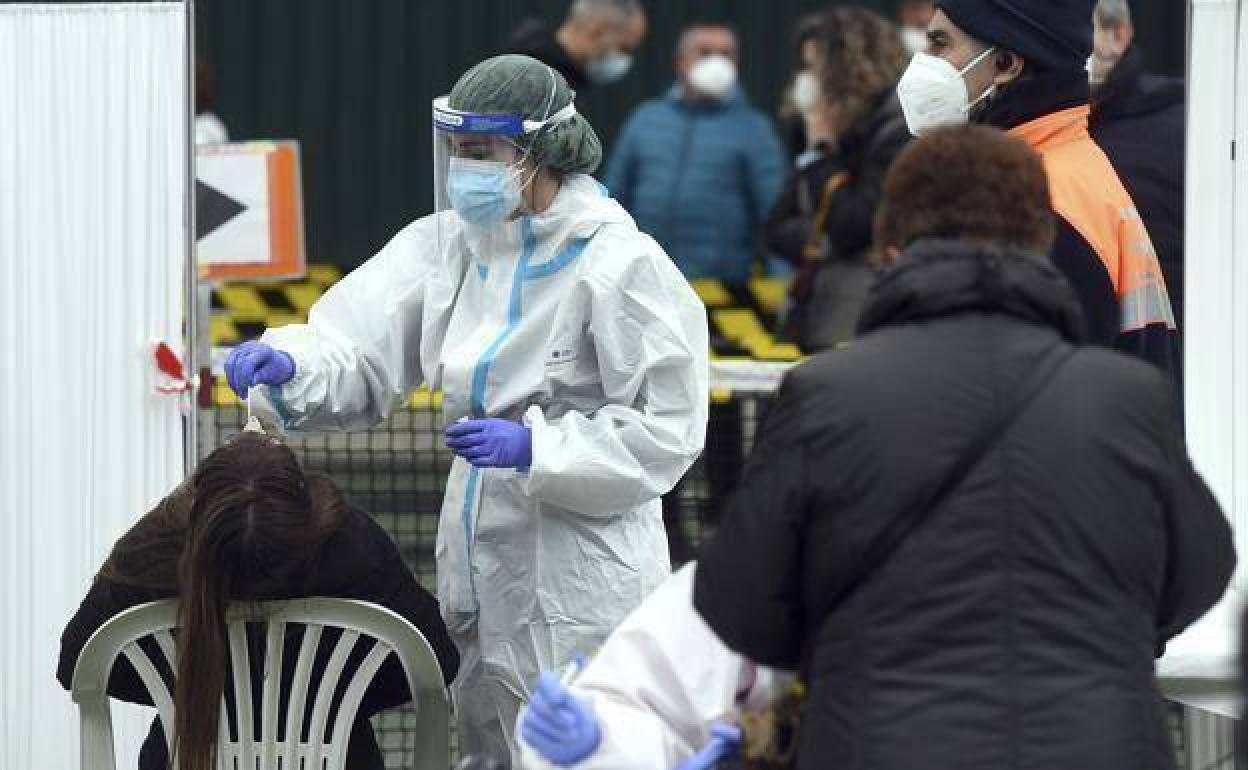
(863, 57)
(968, 183)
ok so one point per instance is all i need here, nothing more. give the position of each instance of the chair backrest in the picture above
(377, 629)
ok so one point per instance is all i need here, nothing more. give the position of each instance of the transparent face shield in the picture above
(482, 162)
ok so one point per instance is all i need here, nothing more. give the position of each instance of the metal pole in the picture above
(190, 299)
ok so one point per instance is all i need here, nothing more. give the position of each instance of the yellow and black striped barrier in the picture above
(741, 325)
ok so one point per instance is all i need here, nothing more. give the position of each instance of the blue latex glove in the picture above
(255, 363)
(492, 443)
(559, 726)
(725, 743)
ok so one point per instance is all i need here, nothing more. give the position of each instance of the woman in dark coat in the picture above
(1015, 624)
(851, 61)
(251, 525)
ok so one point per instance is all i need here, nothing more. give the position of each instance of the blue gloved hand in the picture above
(725, 743)
(255, 363)
(492, 443)
(558, 725)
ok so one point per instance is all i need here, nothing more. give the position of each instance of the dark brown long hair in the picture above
(249, 516)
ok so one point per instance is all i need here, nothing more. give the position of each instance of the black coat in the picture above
(1140, 121)
(828, 295)
(1017, 627)
(534, 38)
(358, 561)
(866, 152)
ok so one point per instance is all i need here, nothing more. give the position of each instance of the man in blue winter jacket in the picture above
(700, 168)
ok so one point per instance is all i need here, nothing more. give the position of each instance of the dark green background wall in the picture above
(352, 81)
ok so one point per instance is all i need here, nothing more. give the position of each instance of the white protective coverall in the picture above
(581, 326)
(660, 681)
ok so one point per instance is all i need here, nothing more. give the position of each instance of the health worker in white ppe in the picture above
(572, 356)
(662, 693)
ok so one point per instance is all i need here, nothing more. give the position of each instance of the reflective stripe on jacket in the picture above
(1089, 195)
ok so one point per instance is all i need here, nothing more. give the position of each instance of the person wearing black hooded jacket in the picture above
(1015, 624)
(1140, 120)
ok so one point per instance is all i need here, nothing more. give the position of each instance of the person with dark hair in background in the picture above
(913, 16)
(594, 45)
(851, 60)
(1021, 67)
(971, 534)
(209, 128)
(1140, 121)
(250, 525)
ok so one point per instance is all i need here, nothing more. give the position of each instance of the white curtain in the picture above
(1217, 393)
(1216, 337)
(93, 147)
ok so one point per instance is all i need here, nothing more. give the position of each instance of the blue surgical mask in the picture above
(483, 192)
(610, 67)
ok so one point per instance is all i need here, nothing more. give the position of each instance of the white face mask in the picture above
(806, 92)
(933, 93)
(713, 76)
(914, 39)
(1099, 69)
(610, 67)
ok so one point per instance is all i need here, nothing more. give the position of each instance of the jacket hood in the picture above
(1035, 97)
(941, 278)
(581, 206)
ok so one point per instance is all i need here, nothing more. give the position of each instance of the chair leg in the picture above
(96, 739)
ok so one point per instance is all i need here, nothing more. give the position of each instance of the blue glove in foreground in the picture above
(492, 443)
(560, 727)
(255, 363)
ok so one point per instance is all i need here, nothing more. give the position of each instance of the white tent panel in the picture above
(93, 192)
(1200, 667)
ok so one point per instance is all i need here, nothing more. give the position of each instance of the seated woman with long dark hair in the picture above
(250, 525)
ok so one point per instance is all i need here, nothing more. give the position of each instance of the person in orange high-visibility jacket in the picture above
(1021, 66)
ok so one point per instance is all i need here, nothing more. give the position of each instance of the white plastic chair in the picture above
(389, 632)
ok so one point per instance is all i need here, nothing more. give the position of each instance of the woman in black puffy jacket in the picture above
(971, 534)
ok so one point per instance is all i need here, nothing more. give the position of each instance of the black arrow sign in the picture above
(213, 209)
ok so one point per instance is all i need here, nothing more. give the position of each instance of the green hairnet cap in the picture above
(522, 85)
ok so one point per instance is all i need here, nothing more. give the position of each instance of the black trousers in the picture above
(722, 460)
